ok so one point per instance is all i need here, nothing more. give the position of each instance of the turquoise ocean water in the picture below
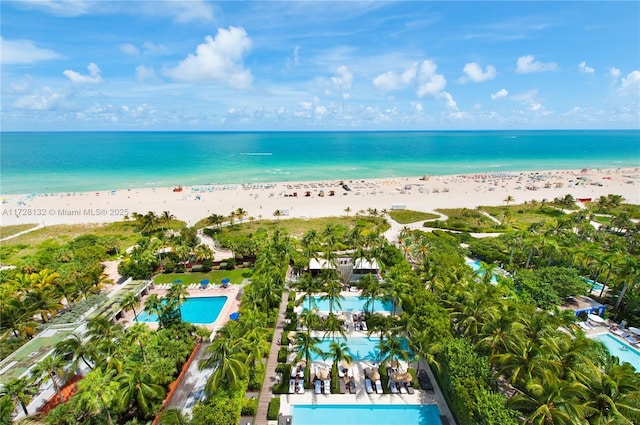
(85, 161)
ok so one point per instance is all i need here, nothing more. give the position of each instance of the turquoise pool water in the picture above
(349, 304)
(595, 286)
(624, 352)
(361, 348)
(349, 414)
(199, 311)
(475, 265)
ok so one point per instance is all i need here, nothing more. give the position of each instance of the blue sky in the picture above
(265, 65)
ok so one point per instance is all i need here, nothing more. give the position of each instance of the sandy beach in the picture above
(320, 199)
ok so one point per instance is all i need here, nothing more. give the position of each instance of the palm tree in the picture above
(173, 416)
(73, 349)
(277, 213)
(129, 302)
(50, 369)
(138, 385)
(6, 409)
(20, 390)
(509, 199)
(549, 400)
(228, 364)
(339, 351)
(372, 289)
(392, 349)
(486, 271)
(332, 326)
(97, 391)
(613, 394)
(136, 333)
(347, 210)
(306, 345)
(422, 348)
(332, 289)
(309, 286)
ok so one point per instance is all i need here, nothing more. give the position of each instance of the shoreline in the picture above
(313, 198)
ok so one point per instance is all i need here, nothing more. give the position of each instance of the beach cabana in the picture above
(583, 306)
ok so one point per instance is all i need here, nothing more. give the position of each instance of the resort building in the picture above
(350, 270)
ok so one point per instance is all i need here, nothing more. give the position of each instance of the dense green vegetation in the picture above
(502, 353)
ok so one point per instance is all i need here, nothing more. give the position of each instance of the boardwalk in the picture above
(270, 373)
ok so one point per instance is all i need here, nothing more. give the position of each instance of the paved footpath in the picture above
(270, 373)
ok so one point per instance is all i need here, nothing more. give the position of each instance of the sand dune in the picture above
(262, 200)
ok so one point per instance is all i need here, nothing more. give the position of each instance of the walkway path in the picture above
(191, 388)
(270, 372)
(36, 227)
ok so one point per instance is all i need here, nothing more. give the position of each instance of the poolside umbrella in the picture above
(323, 374)
(225, 282)
(596, 318)
(175, 282)
(346, 364)
(633, 330)
(396, 376)
(204, 283)
(408, 377)
(234, 316)
(374, 375)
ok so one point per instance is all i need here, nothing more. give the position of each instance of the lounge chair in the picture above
(367, 370)
(343, 387)
(394, 387)
(403, 389)
(364, 326)
(350, 373)
(327, 386)
(425, 382)
(317, 386)
(300, 387)
(340, 372)
(292, 386)
(410, 389)
(379, 387)
(352, 386)
(367, 385)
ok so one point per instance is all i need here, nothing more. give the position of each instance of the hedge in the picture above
(283, 386)
(282, 354)
(274, 409)
(249, 407)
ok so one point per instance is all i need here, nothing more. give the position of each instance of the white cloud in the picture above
(528, 64)
(630, 85)
(343, 78)
(614, 72)
(129, 49)
(218, 59)
(192, 10)
(46, 100)
(16, 52)
(529, 98)
(418, 106)
(144, 73)
(60, 7)
(499, 94)
(449, 99)
(473, 72)
(392, 81)
(585, 68)
(94, 76)
(430, 83)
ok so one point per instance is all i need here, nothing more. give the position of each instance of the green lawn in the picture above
(215, 276)
(632, 209)
(409, 216)
(466, 220)
(522, 216)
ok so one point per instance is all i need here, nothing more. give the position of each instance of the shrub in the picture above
(282, 354)
(207, 265)
(169, 266)
(284, 339)
(335, 380)
(249, 407)
(384, 378)
(274, 409)
(230, 264)
(180, 268)
(196, 268)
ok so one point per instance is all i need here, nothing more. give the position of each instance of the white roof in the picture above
(320, 264)
(364, 264)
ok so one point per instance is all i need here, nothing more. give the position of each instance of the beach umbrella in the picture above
(374, 375)
(346, 364)
(226, 280)
(595, 318)
(323, 374)
(634, 330)
(175, 282)
(204, 283)
(408, 377)
(396, 376)
(234, 316)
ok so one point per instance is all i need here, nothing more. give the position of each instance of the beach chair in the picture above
(364, 326)
(327, 386)
(394, 387)
(300, 387)
(340, 372)
(379, 387)
(292, 386)
(317, 387)
(343, 387)
(403, 389)
(350, 373)
(367, 386)
(352, 386)
(410, 389)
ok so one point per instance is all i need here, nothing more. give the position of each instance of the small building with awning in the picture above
(583, 306)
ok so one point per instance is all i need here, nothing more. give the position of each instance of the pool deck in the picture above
(232, 292)
(361, 397)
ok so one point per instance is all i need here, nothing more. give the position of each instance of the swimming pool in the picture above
(349, 414)
(354, 303)
(624, 352)
(199, 311)
(595, 286)
(475, 266)
(361, 348)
